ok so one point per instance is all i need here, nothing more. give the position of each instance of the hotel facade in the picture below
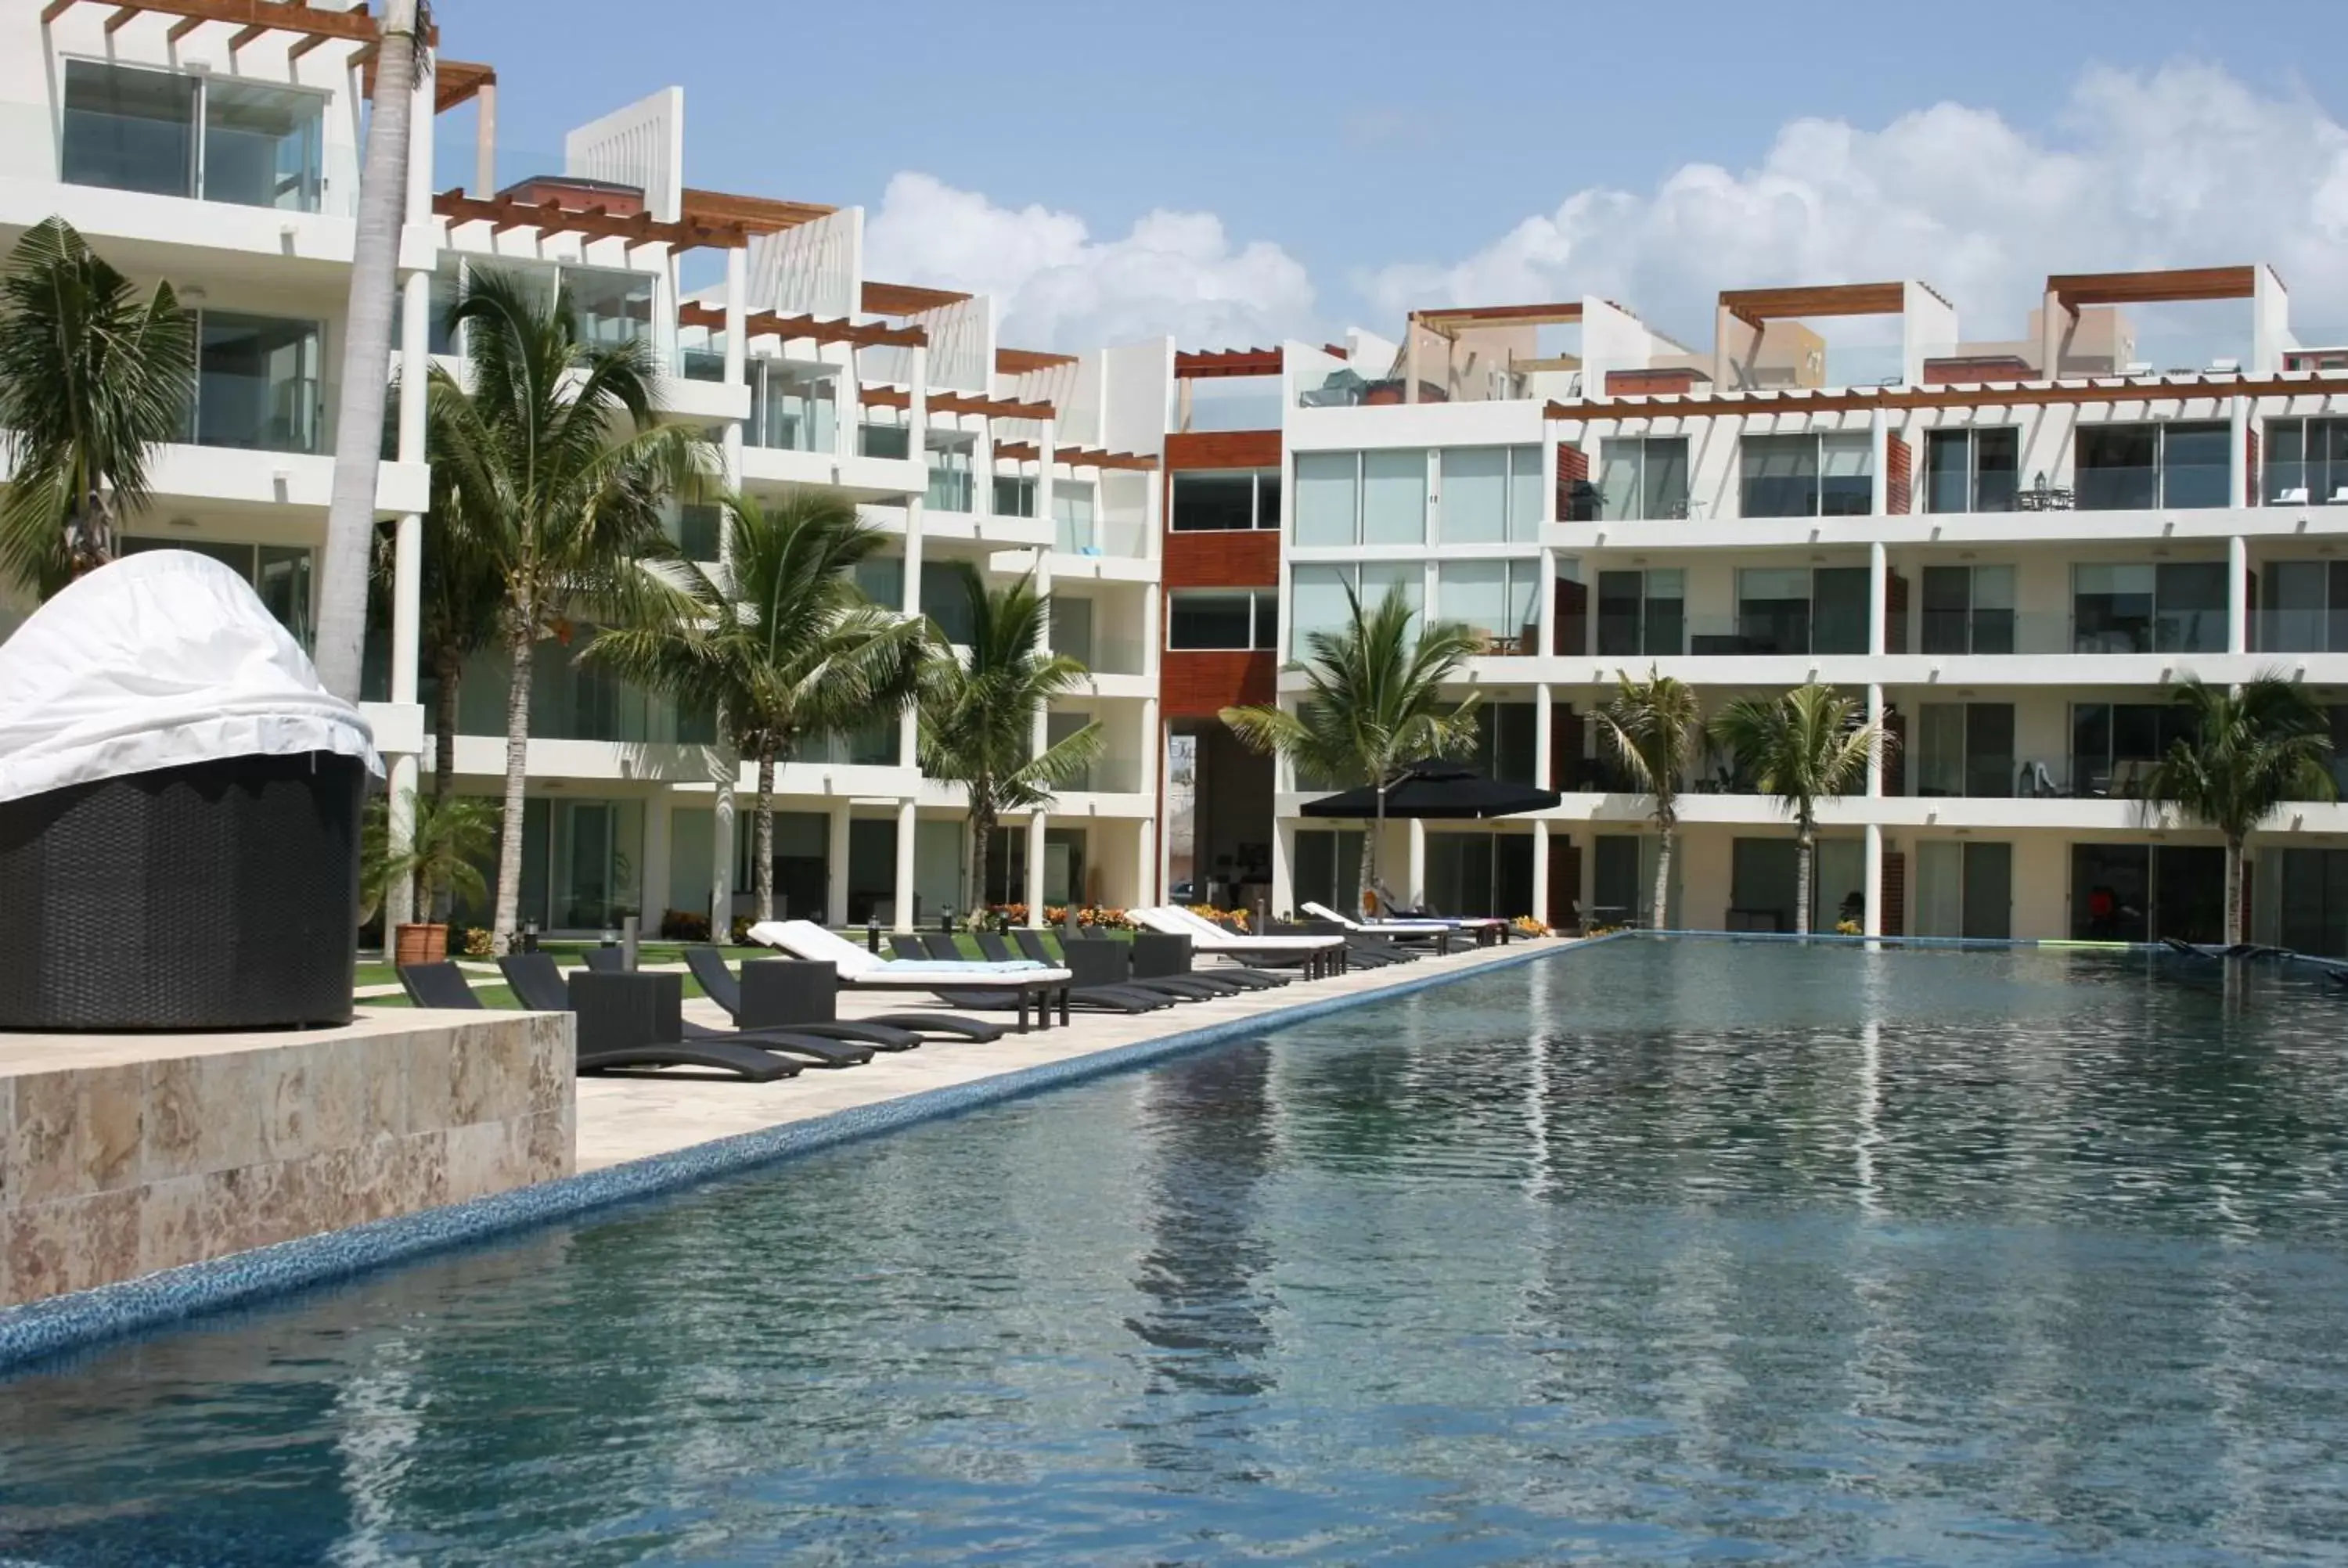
(2010, 549)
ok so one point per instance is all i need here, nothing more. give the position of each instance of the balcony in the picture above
(258, 385)
(203, 138)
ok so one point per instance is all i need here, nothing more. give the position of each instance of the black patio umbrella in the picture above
(1434, 788)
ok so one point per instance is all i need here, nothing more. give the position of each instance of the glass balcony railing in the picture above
(2176, 487)
(204, 137)
(2316, 483)
(2299, 632)
(1980, 633)
(1107, 775)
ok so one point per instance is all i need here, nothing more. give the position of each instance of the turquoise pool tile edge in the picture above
(62, 1324)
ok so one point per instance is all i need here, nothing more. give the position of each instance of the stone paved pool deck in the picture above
(620, 1119)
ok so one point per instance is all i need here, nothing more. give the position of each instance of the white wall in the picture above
(813, 270)
(641, 145)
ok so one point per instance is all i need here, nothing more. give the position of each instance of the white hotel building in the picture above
(213, 144)
(2012, 550)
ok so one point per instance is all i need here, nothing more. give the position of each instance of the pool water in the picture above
(1658, 1251)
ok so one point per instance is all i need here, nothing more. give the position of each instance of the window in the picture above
(1481, 874)
(699, 528)
(2114, 744)
(1328, 498)
(609, 309)
(1964, 889)
(1801, 610)
(1822, 474)
(1623, 879)
(209, 137)
(2312, 900)
(1642, 614)
(1014, 496)
(1642, 478)
(1394, 499)
(2170, 607)
(950, 486)
(792, 410)
(257, 383)
(1495, 599)
(2142, 893)
(1971, 470)
(1072, 516)
(1328, 867)
(2141, 466)
(1199, 620)
(2306, 608)
(1319, 593)
(2306, 462)
(884, 441)
(1489, 495)
(1968, 609)
(1965, 749)
(1504, 742)
(1226, 500)
(881, 579)
(280, 574)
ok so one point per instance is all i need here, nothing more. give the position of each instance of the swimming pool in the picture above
(1656, 1250)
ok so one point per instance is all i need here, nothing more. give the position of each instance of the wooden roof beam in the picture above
(180, 28)
(2166, 286)
(1756, 307)
(1075, 457)
(1560, 314)
(906, 298)
(123, 18)
(754, 214)
(1213, 363)
(1022, 361)
(1989, 395)
(989, 407)
(305, 47)
(252, 18)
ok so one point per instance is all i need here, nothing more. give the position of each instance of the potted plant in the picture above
(442, 858)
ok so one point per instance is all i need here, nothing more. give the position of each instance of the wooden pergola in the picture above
(2169, 286)
(768, 324)
(593, 222)
(316, 23)
(1075, 456)
(751, 214)
(1863, 399)
(1213, 363)
(873, 395)
(1459, 318)
(1022, 361)
(1757, 307)
(907, 299)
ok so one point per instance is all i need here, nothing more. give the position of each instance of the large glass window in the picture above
(1394, 498)
(1072, 516)
(2143, 892)
(1328, 498)
(2306, 462)
(1504, 742)
(1821, 473)
(1481, 874)
(1799, 609)
(2311, 899)
(2122, 468)
(1491, 495)
(1014, 496)
(1495, 599)
(1972, 470)
(1226, 500)
(1318, 595)
(952, 485)
(1964, 889)
(210, 137)
(1642, 614)
(2173, 607)
(791, 409)
(1642, 478)
(1965, 749)
(1328, 869)
(2114, 744)
(2304, 608)
(1200, 618)
(1363, 497)
(609, 309)
(1968, 610)
(257, 383)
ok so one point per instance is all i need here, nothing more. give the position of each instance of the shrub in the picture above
(478, 944)
(683, 925)
(1526, 925)
(1848, 928)
(1230, 919)
(739, 931)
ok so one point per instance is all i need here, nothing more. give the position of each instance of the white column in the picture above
(1871, 923)
(1145, 858)
(846, 410)
(399, 895)
(721, 853)
(909, 727)
(1415, 888)
(1880, 460)
(1879, 597)
(1544, 737)
(407, 578)
(1875, 716)
(907, 825)
(1045, 483)
(2238, 595)
(2238, 463)
(485, 141)
(835, 864)
(917, 409)
(1036, 868)
(738, 343)
(652, 888)
(1539, 912)
(1545, 607)
(1283, 868)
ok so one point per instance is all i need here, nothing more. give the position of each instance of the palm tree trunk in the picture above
(981, 832)
(1658, 916)
(762, 837)
(2233, 891)
(451, 670)
(1369, 870)
(1803, 838)
(517, 774)
(366, 363)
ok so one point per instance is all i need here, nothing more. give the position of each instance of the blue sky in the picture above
(1335, 163)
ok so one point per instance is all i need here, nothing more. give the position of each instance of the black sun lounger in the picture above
(1182, 988)
(717, 983)
(1099, 999)
(538, 984)
(443, 985)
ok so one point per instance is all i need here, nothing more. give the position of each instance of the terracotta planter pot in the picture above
(419, 943)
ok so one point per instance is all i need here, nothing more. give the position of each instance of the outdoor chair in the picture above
(443, 985)
(538, 983)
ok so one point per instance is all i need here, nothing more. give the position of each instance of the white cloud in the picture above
(1175, 273)
(2184, 166)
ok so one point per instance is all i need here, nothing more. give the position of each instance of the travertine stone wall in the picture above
(123, 1154)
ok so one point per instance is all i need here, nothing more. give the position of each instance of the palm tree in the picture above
(460, 593)
(978, 715)
(92, 380)
(1653, 729)
(2250, 750)
(366, 351)
(1812, 744)
(442, 855)
(557, 474)
(782, 645)
(1376, 702)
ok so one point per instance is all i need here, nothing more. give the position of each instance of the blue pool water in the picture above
(1655, 1252)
